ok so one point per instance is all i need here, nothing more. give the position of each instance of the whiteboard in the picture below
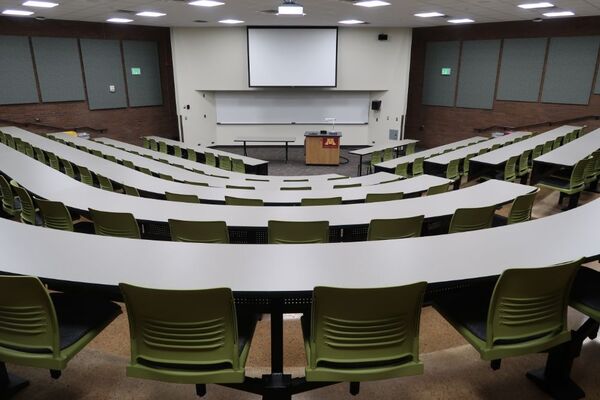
(286, 107)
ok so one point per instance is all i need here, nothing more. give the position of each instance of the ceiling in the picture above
(318, 12)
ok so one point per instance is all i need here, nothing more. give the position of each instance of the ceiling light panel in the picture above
(461, 21)
(231, 21)
(119, 20)
(371, 3)
(151, 14)
(351, 22)
(41, 4)
(20, 13)
(559, 14)
(532, 6)
(431, 14)
(206, 3)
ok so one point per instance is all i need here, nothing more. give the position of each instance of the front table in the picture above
(322, 148)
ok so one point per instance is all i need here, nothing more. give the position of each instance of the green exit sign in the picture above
(136, 71)
(446, 71)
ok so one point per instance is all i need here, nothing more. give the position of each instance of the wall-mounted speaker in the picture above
(382, 37)
(376, 105)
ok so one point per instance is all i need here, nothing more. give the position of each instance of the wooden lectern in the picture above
(322, 149)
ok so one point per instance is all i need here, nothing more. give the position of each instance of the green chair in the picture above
(239, 187)
(210, 159)
(471, 219)
(18, 144)
(144, 170)
(174, 342)
(110, 157)
(238, 165)
(105, 183)
(355, 335)
(128, 164)
(165, 177)
(557, 143)
(183, 198)
(199, 231)
(337, 178)
(177, 151)
(53, 161)
(225, 163)
(323, 201)
(56, 216)
(585, 296)
(410, 148)
(238, 201)
(453, 172)
(85, 176)
(115, 224)
(525, 312)
(29, 150)
(398, 228)
(571, 187)
(482, 151)
(295, 188)
(590, 173)
(495, 146)
(40, 156)
(145, 143)
(537, 151)
(28, 213)
(524, 168)
(256, 180)
(418, 167)
(10, 141)
(131, 191)
(350, 185)
(10, 204)
(191, 155)
(196, 183)
(153, 144)
(162, 147)
(548, 146)
(388, 154)
(509, 172)
(438, 189)
(376, 158)
(46, 330)
(466, 162)
(520, 210)
(68, 168)
(288, 232)
(377, 197)
(97, 153)
(402, 169)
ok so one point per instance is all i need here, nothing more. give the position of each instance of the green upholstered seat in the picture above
(238, 165)
(288, 232)
(397, 228)
(322, 201)
(183, 198)
(239, 201)
(438, 189)
(471, 219)
(376, 197)
(115, 224)
(198, 231)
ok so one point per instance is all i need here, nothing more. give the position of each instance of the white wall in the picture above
(206, 60)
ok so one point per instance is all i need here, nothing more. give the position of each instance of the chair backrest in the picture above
(438, 189)
(115, 224)
(105, 183)
(110, 157)
(288, 232)
(402, 169)
(183, 198)
(548, 146)
(40, 156)
(529, 306)
(577, 179)
(29, 324)
(471, 219)
(153, 144)
(495, 146)
(510, 168)
(10, 141)
(521, 208)
(410, 148)
(376, 157)
(67, 167)
(350, 185)
(8, 196)
(165, 176)
(524, 162)
(417, 166)
(144, 170)
(338, 178)
(466, 163)
(295, 188)
(210, 159)
(377, 197)
(85, 175)
(29, 149)
(191, 155)
(208, 341)
(145, 142)
(53, 160)
(557, 143)
(322, 201)
(177, 151)
(238, 201)
(199, 231)
(388, 154)
(27, 206)
(589, 173)
(162, 147)
(131, 191)
(239, 187)
(365, 327)
(452, 171)
(537, 151)
(225, 163)
(399, 228)
(128, 164)
(482, 151)
(97, 153)
(238, 165)
(55, 215)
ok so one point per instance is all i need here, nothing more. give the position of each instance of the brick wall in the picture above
(126, 124)
(435, 125)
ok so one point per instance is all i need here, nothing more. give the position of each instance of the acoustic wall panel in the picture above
(521, 69)
(103, 73)
(478, 72)
(143, 73)
(59, 69)
(570, 69)
(17, 79)
(439, 89)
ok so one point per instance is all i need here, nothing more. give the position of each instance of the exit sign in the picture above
(136, 71)
(446, 71)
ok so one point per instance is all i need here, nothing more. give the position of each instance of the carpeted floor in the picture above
(453, 370)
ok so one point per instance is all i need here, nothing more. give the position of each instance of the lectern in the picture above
(322, 148)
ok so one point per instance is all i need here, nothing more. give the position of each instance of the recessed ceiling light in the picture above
(289, 7)
(530, 6)
(429, 14)
(559, 14)
(153, 14)
(42, 4)
(460, 21)
(231, 21)
(206, 3)
(371, 3)
(21, 13)
(351, 22)
(119, 20)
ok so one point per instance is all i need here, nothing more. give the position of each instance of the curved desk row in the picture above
(156, 187)
(390, 166)
(46, 182)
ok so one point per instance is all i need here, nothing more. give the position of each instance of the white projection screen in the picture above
(292, 57)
